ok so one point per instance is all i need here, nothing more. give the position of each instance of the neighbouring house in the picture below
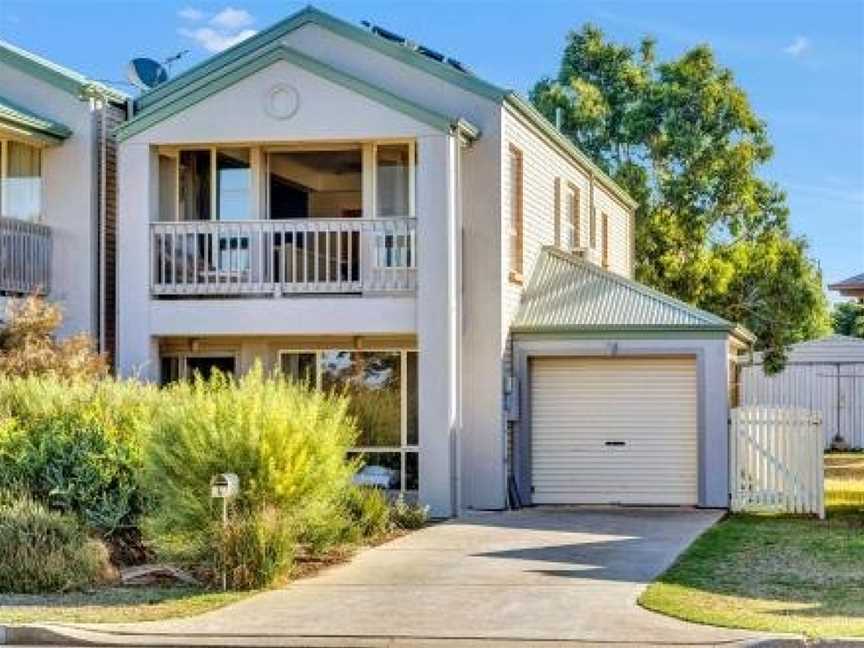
(340, 204)
(58, 190)
(852, 287)
(824, 375)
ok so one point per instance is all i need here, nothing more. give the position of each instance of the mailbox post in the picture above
(224, 486)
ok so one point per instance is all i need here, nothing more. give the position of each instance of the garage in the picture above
(623, 392)
(614, 430)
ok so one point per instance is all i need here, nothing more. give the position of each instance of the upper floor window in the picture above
(20, 181)
(233, 184)
(515, 221)
(286, 181)
(570, 220)
(394, 179)
(605, 241)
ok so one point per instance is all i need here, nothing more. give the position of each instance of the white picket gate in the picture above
(775, 460)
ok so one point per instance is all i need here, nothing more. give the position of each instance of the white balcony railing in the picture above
(275, 257)
(25, 257)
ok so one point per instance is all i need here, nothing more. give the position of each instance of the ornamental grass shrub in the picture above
(78, 443)
(288, 445)
(44, 552)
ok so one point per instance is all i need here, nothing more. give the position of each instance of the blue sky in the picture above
(802, 64)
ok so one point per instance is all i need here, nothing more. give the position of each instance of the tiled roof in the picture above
(566, 293)
(852, 282)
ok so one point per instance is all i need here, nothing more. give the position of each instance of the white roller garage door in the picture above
(620, 430)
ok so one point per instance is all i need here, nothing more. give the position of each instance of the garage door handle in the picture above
(616, 443)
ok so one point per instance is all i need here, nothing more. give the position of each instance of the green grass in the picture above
(777, 573)
(113, 605)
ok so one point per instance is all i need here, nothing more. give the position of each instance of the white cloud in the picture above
(231, 18)
(214, 40)
(801, 45)
(190, 13)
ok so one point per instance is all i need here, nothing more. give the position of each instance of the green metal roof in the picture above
(267, 55)
(213, 68)
(17, 118)
(57, 75)
(566, 294)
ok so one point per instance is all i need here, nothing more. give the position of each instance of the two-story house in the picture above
(58, 190)
(343, 205)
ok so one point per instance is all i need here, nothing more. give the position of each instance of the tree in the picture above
(682, 138)
(848, 319)
(29, 346)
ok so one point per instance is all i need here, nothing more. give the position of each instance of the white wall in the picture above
(69, 209)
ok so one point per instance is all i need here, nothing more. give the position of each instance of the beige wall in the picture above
(266, 349)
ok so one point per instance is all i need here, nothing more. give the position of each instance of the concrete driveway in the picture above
(537, 574)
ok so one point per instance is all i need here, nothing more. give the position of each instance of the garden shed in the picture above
(826, 375)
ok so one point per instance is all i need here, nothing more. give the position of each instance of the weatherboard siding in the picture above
(543, 166)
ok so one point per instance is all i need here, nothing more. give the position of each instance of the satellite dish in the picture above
(146, 73)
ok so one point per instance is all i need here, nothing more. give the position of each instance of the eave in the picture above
(25, 123)
(57, 76)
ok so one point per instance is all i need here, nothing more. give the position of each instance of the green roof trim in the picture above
(203, 73)
(57, 75)
(18, 118)
(257, 60)
(567, 295)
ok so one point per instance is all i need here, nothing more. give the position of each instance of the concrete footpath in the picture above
(532, 577)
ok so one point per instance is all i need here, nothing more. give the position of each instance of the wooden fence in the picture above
(776, 460)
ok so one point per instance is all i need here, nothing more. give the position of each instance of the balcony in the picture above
(280, 258)
(25, 257)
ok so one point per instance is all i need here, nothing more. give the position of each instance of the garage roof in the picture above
(568, 294)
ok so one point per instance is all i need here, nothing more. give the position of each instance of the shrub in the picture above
(77, 442)
(408, 516)
(288, 446)
(28, 344)
(46, 552)
(370, 511)
(258, 547)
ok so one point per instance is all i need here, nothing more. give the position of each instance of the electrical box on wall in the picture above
(511, 398)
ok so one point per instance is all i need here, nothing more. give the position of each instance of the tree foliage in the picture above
(29, 344)
(848, 319)
(682, 138)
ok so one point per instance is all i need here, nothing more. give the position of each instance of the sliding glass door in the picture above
(382, 391)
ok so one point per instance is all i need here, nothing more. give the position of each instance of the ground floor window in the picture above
(181, 366)
(382, 386)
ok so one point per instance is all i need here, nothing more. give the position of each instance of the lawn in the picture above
(778, 573)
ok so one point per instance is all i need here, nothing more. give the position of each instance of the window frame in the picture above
(412, 178)
(604, 236)
(571, 223)
(4, 173)
(404, 447)
(259, 163)
(516, 217)
(182, 356)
